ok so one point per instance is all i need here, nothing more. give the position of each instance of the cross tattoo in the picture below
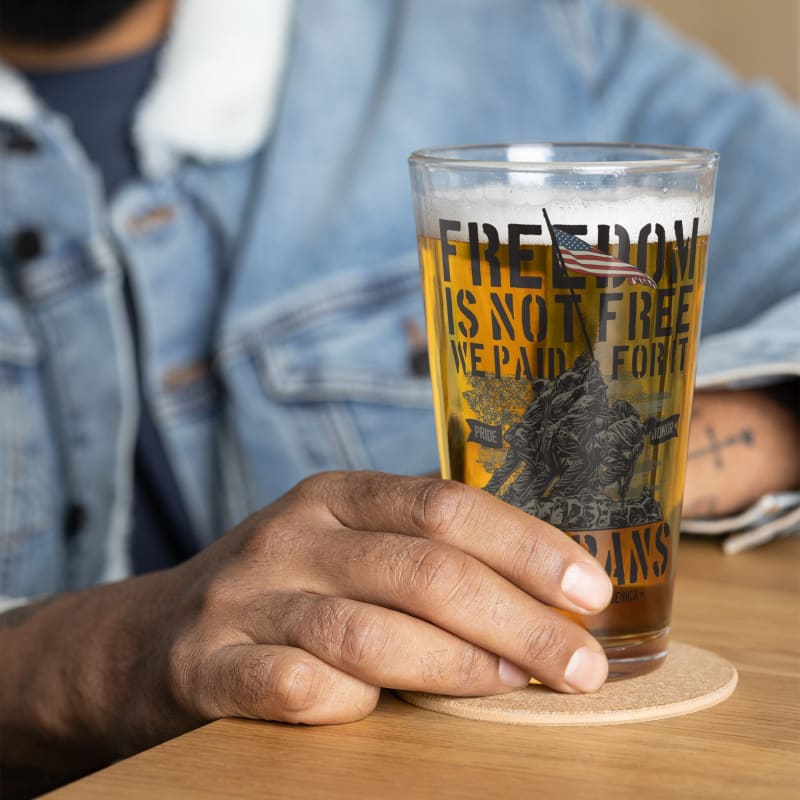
(715, 446)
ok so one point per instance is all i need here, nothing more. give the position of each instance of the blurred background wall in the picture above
(760, 38)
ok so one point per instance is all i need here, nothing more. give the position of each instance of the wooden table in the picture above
(745, 607)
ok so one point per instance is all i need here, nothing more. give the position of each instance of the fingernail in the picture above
(512, 675)
(587, 670)
(587, 586)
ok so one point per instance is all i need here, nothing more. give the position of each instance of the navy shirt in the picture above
(100, 101)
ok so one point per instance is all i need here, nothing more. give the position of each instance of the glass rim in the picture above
(665, 158)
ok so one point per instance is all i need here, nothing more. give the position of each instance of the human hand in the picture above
(355, 581)
(742, 445)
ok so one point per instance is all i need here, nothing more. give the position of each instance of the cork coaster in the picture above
(690, 679)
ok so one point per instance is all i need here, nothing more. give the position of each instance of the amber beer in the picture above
(568, 395)
(563, 298)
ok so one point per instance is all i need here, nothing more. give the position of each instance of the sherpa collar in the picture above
(216, 88)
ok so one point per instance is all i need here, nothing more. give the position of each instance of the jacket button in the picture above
(27, 244)
(74, 520)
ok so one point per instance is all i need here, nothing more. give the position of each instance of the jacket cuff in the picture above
(772, 516)
(763, 352)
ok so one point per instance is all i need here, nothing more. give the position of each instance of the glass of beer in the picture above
(563, 286)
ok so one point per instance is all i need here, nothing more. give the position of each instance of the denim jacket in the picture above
(275, 270)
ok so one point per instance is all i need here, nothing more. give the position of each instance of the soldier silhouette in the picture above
(523, 440)
(575, 447)
(615, 449)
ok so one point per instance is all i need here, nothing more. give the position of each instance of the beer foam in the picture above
(522, 199)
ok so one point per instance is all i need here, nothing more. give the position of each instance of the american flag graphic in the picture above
(580, 256)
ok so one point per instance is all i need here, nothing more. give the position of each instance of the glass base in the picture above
(629, 656)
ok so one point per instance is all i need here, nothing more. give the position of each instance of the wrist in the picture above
(83, 681)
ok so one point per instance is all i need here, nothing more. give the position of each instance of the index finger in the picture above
(531, 553)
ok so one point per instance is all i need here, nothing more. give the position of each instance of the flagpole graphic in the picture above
(575, 301)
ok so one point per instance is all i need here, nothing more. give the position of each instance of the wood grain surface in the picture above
(745, 607)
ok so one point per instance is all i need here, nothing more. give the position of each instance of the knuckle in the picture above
(527, 557)
(428, 568)
(294, 685)
(439, 573)
(348, 634)
(437, 507)
(471, 666)
(315, 489)
(317, 626)
(309, 487)
(277, 537)
(252, 684)
(363, 639)
(543, 641)
(270, 532)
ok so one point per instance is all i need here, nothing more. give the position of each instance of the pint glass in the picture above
(563, 287)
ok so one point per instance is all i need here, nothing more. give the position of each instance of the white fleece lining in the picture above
(219, 76)
(216, 89)
(17, 102)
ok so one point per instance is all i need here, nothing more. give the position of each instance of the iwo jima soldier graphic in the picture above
(574, 446)
(577, 454)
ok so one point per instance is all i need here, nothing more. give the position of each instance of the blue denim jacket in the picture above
(276, 284)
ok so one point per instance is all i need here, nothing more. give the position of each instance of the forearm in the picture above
(742, 445)
(78, 681)
(300, 614)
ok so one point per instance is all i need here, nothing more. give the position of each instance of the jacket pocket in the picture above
(325, 379)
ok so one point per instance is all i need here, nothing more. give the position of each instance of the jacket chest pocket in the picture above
(331, 379)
